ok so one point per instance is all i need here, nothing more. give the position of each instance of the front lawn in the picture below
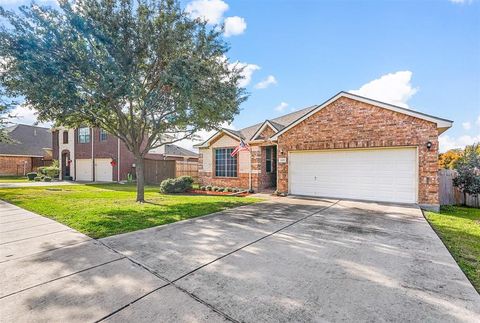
(103, 210)
(459, 229)
(13, 179)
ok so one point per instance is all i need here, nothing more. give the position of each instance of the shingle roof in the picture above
(175, 150)
(28, 141)
(279, 123)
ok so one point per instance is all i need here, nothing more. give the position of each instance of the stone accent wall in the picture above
(347, 123)
(8, 165)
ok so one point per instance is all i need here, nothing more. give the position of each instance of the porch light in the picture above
(429, 145)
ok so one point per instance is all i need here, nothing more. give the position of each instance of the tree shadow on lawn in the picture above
(150, 214)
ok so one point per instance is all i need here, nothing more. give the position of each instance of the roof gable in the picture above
(264, 126)
(442, 124)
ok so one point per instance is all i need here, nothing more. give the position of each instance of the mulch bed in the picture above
(200, 192)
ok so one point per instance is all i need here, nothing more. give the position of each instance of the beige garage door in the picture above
(103, 170)
(83, 170)
(367, 174)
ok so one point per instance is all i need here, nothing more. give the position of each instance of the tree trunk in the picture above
(139, 170)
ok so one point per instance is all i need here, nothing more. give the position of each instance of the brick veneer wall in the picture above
(8, 165)
(347, 123)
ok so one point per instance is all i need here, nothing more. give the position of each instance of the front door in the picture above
(65, 164)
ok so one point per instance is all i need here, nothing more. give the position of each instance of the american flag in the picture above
(242, 146)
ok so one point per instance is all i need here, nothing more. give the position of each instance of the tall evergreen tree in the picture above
(142, 70)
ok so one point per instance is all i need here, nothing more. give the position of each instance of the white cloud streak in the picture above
(447, 142)
(210, 10)
(394, 88)
(281, 107)
(234, 26)
(270, 80)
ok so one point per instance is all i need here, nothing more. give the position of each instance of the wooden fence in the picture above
(186, 168)
(449, 194)
(158, 170)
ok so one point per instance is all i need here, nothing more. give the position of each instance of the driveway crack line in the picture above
(58, 278)
(172, 282)
(41, 235)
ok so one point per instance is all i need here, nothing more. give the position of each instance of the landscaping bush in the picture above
(47, 179)
(41, 170)
(228, 189)
(208, 187)
(51, 171)
(235, 190)
(215, 188)
(176, 185)
(31, 176)
(203, 188)
(37, 179)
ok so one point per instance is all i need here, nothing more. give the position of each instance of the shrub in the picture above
(41, 170)
(215, 188)
(31, 176)
(176, 185)
(235, 190)
(51, 171)
(208, 187)
(202, 188)
(228, 189)
(47, 179)
(37, 179)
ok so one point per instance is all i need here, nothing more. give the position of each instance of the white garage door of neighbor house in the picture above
(103, 170)
(387, 175)
(83, 169)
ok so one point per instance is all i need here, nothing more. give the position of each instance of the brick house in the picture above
(347, 147)
(92, 154)
(31, 148)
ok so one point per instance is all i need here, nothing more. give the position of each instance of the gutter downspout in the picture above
(118, 159)
(93, 159)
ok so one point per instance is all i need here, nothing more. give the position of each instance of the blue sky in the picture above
(424, 55)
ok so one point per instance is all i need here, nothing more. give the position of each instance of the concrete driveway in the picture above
(283, 260)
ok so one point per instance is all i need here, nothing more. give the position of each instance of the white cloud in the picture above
(446, 142)
(248, 70)
(234, 26)
(201, 136)
(270, 80)
(394, 88)
(281, 107)
(210, 10)
(23, 114)
(466, 125)
(461, 1)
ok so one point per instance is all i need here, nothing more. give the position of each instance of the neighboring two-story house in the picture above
(92, 154)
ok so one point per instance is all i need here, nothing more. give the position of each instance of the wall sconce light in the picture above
(429, 145)
(281, 151)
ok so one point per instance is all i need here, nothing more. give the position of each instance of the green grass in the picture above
(13, 179)
(104, 210)
(459, 229)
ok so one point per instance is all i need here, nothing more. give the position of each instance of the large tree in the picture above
(142, 70)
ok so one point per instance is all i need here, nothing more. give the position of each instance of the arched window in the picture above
(65, 137)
